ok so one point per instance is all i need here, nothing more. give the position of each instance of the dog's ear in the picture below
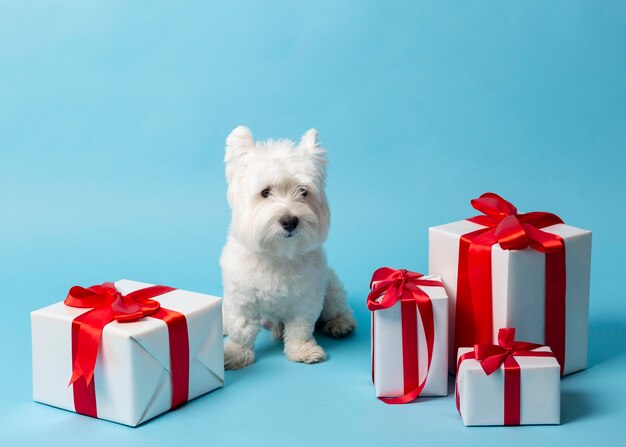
(309, 146)
(239, 143)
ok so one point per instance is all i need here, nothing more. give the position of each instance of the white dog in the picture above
(273, 265)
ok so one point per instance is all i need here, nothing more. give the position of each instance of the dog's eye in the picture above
(303, 192)
(265, 193)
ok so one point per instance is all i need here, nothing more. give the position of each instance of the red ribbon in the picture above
(513, 231)
(492, 357)
(388, 286)
(110, 305)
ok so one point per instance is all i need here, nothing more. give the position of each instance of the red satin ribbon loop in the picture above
(492, 205)
(389, 286)
(512, 231)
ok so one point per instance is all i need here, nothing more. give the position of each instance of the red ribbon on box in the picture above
(492, 357)
(513, 231)
(388, 286)
(108, 305)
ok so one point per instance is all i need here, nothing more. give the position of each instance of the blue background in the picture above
(112, 122)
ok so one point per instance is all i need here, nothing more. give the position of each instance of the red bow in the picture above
(393, 285)
(511, 230)
(492, 357)
(108, 305)
(388, 287)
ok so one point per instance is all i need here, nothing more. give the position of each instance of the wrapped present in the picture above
(129, 350)
(504, 269)
(409, 335)
(511, 383)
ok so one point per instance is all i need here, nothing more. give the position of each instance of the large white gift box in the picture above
(391, 363)
(132, 380)
(535, 396)
(518, 286)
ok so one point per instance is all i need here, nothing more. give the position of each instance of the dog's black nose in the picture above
(289, 223)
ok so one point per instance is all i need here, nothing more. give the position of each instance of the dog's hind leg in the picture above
(278, 331)
(337, 318)
(277, 328)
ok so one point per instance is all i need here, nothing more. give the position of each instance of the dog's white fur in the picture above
(274, 277)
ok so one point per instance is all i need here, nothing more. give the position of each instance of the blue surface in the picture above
(112, 121)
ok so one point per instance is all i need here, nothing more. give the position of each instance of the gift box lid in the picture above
(462, 227)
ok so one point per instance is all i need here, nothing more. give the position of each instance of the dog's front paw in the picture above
(237, 356)
(339, 326)
(305, 352)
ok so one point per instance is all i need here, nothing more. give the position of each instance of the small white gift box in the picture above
(516, 383)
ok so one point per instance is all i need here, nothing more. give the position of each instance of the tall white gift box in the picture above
(409, 335)
(533, 270)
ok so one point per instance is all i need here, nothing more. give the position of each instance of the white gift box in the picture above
(387, 352)
(132, 375)
(481, 397)
(518, 286)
